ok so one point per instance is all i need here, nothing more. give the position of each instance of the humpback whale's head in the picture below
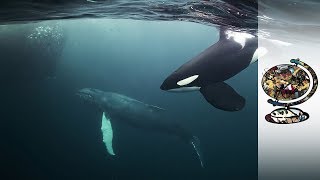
(90, 94)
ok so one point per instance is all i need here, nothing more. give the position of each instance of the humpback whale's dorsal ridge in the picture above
(155, 108)
(150, 106)
(128, 99)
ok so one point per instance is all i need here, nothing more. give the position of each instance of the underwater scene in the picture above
(135, 89)
(52, 132)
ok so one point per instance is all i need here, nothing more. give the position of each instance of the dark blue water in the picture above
(47, 132)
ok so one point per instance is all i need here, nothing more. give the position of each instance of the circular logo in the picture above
(285, 82)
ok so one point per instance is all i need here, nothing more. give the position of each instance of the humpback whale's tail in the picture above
(185, 135)
(195, 142)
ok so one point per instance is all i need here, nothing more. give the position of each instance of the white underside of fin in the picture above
(185, 89)
(107, 133)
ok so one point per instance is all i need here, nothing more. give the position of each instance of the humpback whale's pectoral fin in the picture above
(223, 96)
(107, 132)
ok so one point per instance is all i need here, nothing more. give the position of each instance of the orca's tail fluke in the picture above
(195, 142)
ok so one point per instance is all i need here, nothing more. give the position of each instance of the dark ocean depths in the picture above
(47, 132)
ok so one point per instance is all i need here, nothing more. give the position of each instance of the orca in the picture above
(207, 72)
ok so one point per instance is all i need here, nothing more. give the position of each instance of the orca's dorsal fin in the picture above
(223, 34)
(107, 132)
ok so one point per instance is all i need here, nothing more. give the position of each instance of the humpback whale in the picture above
(207, 71)
(135, 113)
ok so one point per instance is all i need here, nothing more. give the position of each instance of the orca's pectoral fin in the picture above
(223, 96)
(107, 132)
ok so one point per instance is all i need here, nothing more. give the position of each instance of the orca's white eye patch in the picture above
(261, 51)
(187, 81)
